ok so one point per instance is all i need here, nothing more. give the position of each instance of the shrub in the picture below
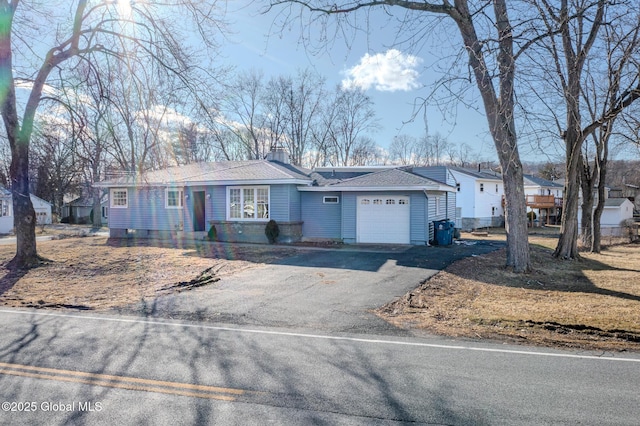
(212, 235)
(532, 215)
(272, 231)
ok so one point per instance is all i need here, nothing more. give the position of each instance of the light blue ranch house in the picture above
(384, 204)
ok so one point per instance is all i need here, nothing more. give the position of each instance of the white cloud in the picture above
(387, 72)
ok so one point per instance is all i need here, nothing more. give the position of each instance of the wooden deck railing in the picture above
(543, 201)
(540, 201)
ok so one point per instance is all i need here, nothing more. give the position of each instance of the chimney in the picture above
(279, 155)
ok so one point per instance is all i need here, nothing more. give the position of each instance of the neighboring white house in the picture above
(479, 198)
(42, 208)
(6, 211)
(616, 211)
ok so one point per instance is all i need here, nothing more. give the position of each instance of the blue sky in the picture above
(393, 78)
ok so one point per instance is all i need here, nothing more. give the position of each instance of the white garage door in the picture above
(383, 219)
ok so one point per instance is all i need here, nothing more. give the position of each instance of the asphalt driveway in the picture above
(322, 290)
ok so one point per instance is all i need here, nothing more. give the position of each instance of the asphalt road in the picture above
(86, 369)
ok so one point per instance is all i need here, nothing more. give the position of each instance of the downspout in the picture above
(426, 219)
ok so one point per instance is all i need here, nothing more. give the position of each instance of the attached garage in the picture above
(383, 219)
(376, 205)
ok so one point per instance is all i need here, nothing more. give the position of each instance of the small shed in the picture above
(616, 211)
(43, 210)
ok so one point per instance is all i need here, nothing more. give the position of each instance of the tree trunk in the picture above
(516, 221)
(602, 158)
(586, 184)
(24, 214)
(575, 50)
(97, 208)
(596, 245)
(499, 110)
(567, 247)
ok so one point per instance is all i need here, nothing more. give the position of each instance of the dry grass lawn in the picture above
(592, 303)
(88, 273)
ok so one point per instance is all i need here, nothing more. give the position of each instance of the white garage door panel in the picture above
(383, 219)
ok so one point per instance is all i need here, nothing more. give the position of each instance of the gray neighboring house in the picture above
(41, 207)
(79, 210)
(238, 198)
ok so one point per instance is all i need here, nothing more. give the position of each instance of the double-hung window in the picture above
(119, 198)
(4, 207)
(174, 198)
(248, 203)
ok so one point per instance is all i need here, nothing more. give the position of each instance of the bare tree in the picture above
(88, 28)
(303, 101)
(571, 36)
(354, 118)
(364, 152)
(621, 76)
(460, 155)
(402, 149)
(243, 108)
(54, 157)
(439, 145)
(491, 58)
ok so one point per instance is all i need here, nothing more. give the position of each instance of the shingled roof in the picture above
(482, 174)
(216, 173)
(535, 180)
(396, 178)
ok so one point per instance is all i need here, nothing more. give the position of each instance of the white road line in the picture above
(322, 337)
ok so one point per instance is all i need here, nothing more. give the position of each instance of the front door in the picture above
(198, 211)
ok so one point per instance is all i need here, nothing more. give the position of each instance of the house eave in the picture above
(329, 188)
(236, 182)
(246, 182)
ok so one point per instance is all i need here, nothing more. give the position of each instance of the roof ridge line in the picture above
(363, 175)
(237, 166)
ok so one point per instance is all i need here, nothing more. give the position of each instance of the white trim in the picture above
(112, 198)
(180, 198)
(334, 197)
(251, 182)
(185, 183)
(242, 203)
(445, 188)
